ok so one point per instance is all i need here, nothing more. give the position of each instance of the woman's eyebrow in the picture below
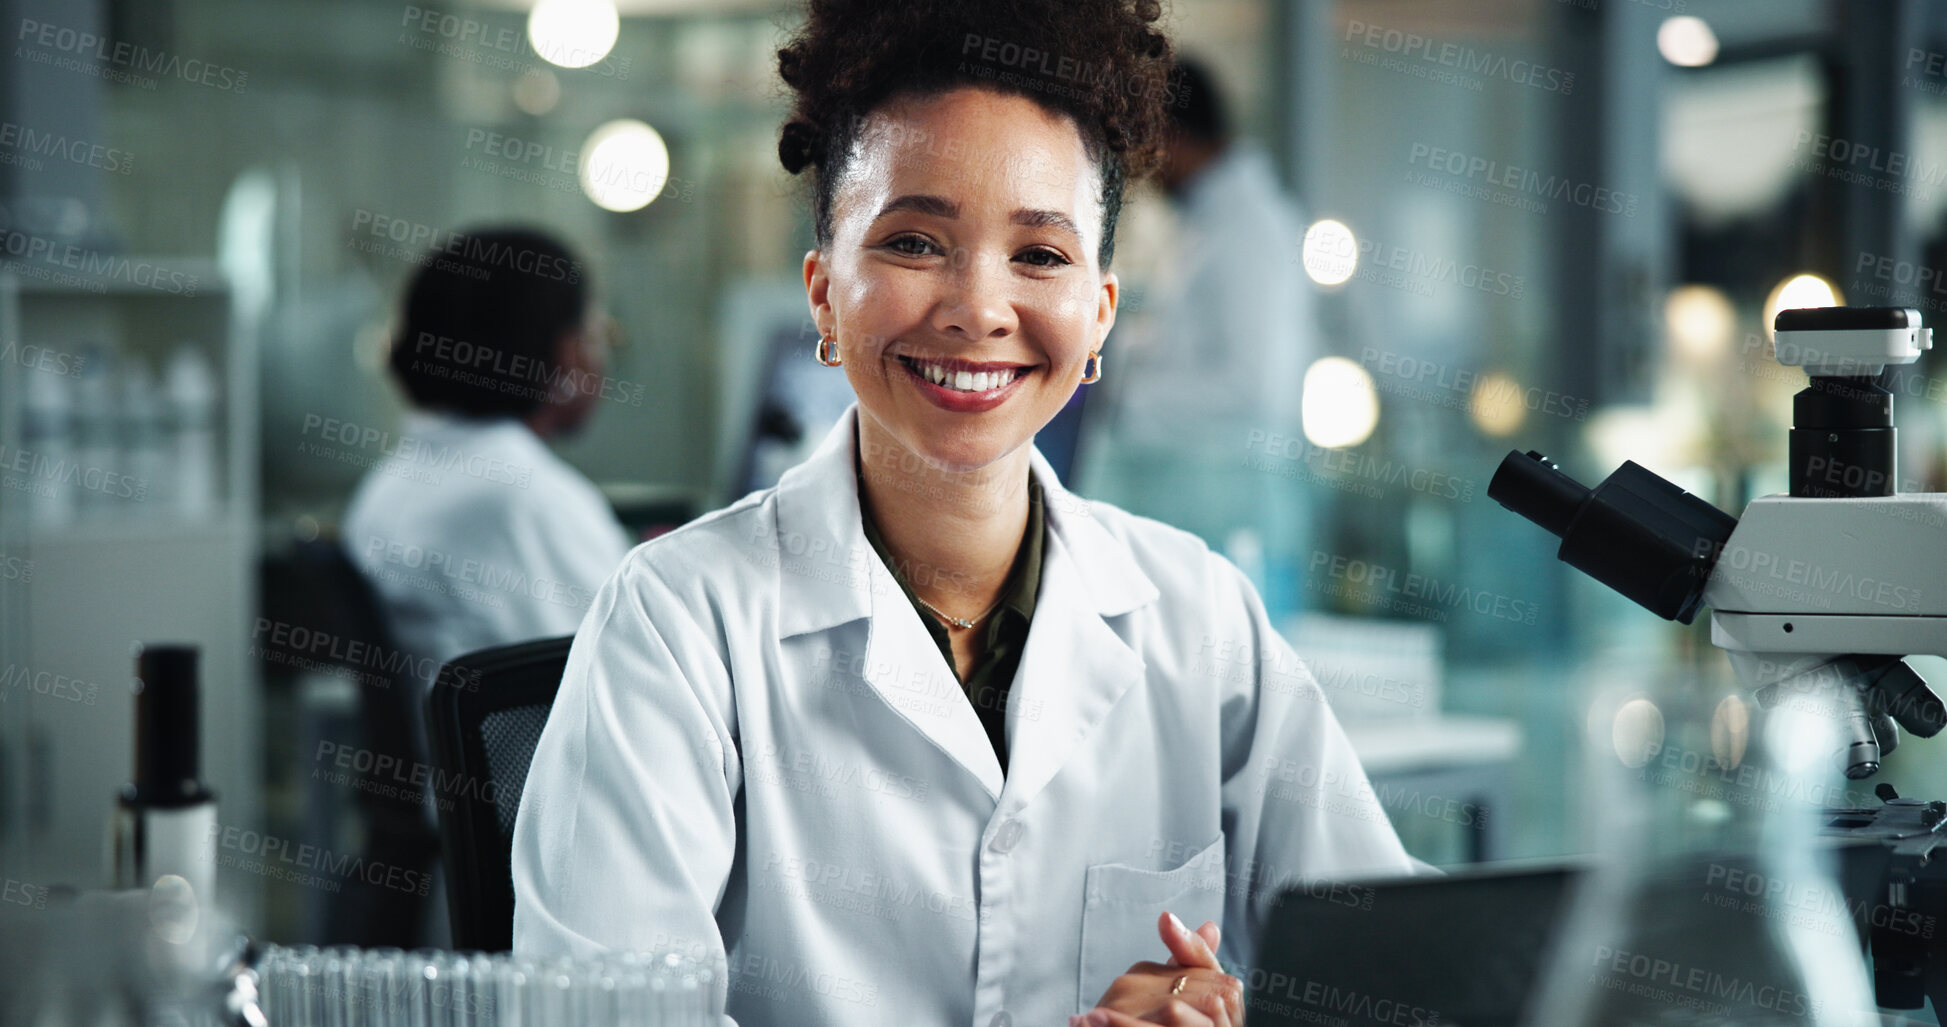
(941, 207)
(1042, 218)
(922, 203)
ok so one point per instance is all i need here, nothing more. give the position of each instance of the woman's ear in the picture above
(1105, 304)
(817, 290)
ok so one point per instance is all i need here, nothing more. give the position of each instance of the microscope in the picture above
(1822, 592)
(1817, 596)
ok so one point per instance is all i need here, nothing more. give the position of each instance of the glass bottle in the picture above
(1711, 897)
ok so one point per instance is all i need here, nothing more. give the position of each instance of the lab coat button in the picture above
(1005, 838)
(1001, 1019)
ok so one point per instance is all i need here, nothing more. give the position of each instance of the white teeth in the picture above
(963, 381)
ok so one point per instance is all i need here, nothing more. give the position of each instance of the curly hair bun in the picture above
(798, 147)
(1103, 63)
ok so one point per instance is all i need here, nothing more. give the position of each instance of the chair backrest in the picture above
(484, 716)
(312, 591)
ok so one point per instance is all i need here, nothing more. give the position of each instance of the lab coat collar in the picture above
(1075, 665)
(819, 532)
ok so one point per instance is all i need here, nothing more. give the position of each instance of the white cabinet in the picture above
(81, 583)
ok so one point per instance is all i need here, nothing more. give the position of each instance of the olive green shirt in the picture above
(1005, 633)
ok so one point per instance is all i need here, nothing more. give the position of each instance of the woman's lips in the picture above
(964, 386)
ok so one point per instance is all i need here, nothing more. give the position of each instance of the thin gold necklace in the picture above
(956, 622)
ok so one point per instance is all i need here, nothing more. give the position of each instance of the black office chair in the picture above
(315, 586)
(484, 716)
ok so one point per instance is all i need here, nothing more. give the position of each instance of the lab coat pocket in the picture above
(1120, 907)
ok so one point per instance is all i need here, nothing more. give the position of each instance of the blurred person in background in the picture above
(1219, 355)
(471, 532)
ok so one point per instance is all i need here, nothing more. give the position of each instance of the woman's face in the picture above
(961, 283)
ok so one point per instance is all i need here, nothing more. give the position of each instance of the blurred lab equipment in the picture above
(1817, 596)
(96, 446)
(1446, 779)
(191, 388)
(311, 987)
(156, 955)
(1711, 896)
(47, 431)
(1823, 591)
(105, 442)
(791, 400)
(147, 452)
(165, 820)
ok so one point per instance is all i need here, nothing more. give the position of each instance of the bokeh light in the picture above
(1800, 290)
(624, 165)
(1331, 252)
(1730, 731)
(537, 91)
(1498, 404)
(1701, 323)
(1637, 732)
(1340, 405)
(1686, 41)
(573, 33)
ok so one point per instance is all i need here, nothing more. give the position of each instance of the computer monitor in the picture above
(798, 401)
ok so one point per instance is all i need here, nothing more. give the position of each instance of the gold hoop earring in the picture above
(1095, 362)
(828, 352)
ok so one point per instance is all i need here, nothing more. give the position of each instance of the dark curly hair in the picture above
(480, 320)
(1103, 63)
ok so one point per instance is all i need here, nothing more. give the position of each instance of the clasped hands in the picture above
(1191, 990)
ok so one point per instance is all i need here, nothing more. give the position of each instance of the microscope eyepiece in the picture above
(1636, 532)
(1534, 487)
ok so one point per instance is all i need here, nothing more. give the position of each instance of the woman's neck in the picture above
(954, 534)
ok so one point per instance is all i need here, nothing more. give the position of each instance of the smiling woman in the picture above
(923, 602)
(951, 295)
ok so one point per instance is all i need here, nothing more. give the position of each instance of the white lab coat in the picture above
(758, 750)
(1231, 324)
(474, 534)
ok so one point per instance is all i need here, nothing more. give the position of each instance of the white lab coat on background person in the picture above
(1231, 324)
(1212, 369)
(758, 751)
(475, 534)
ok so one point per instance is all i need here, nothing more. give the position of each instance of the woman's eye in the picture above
(910, 246)
(1044, 258)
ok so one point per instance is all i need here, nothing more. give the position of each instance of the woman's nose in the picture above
(975, 301)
